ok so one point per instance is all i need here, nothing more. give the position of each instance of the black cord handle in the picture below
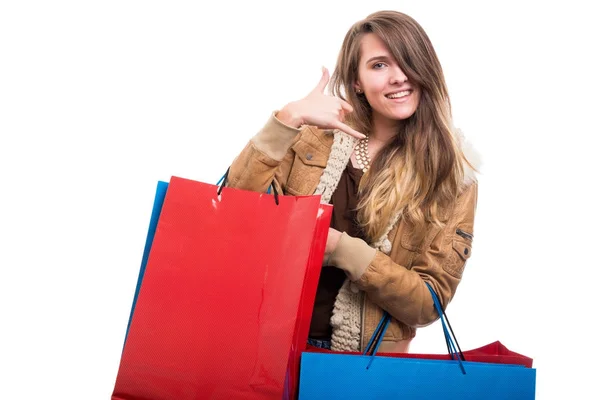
(224, 182)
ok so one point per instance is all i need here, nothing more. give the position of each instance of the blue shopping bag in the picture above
(159, 199)
(368, 376)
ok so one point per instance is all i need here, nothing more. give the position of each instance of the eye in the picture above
(378, 65)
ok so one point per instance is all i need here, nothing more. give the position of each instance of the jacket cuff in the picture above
(275, 138)
(353, 255)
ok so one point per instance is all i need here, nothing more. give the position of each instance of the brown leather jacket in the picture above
(296, 159)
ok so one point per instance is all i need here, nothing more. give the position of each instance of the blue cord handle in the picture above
(221, 180)
(449, 340)
(385, 321)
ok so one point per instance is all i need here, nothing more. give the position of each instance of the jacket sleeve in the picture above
(401, 291)
(265, 158)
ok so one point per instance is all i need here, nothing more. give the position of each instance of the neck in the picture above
(384, 129)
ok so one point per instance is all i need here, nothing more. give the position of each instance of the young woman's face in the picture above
(384, 84)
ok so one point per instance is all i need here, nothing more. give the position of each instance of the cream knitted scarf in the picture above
(346, 318)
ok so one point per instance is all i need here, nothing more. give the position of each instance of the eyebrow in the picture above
(378, 58)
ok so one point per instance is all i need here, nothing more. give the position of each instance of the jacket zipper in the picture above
(464, 234)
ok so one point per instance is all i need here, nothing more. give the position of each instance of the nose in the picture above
(397, 76)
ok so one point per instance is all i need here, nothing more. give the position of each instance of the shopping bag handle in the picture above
(377, 337)
(452, 344)
(378, 334)
(223, 181)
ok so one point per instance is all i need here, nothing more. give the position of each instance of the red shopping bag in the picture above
(307, 301)
(219, 313)
(494, 353)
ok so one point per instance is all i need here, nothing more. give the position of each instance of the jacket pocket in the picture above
(417, 240)
(307, 168)
(459, 254)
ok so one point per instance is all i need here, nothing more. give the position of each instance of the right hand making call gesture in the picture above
(319, 109)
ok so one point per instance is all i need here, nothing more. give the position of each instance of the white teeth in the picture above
(398, 95)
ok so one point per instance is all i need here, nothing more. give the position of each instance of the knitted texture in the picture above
(346, 321)
(341, 150)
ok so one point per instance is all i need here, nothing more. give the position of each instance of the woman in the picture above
(383, 151)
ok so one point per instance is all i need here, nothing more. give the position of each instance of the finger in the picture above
(345, 128)
(346, 106)
(323, 82)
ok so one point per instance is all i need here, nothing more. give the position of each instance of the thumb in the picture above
(323, 82)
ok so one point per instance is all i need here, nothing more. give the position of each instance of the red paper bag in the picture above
(307, 301)
(219, 313)
(494, 353)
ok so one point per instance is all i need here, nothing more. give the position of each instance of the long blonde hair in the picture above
(418, 174)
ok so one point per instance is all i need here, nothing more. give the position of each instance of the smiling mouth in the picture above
(399, 95)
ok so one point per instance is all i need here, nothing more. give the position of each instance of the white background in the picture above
(100, 100)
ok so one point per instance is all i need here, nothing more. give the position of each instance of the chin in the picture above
(401, 115)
